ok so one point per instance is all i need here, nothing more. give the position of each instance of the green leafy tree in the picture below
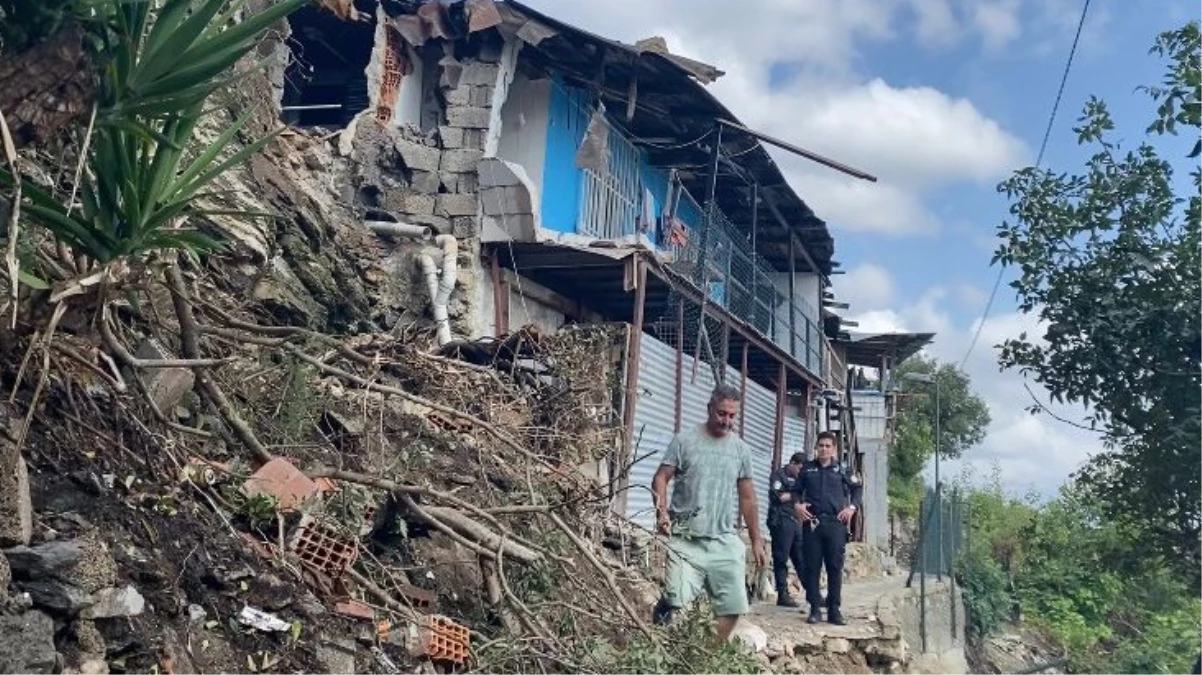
(1109, 260)
(159, 63)
(963, 419)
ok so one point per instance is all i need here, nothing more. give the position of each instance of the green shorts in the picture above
(715, 564)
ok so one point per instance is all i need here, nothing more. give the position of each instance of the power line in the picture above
(1043, 146)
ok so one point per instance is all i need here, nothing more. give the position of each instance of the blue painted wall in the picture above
(567, 121)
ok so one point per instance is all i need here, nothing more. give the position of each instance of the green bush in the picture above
(987, 602)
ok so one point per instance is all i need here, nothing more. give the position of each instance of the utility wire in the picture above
(1043, 146)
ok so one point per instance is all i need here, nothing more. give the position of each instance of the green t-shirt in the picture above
(704, 497)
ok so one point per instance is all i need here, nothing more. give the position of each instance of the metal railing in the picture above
(941, 537)
(737, 279)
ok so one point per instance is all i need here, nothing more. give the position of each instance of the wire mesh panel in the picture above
(718, 257)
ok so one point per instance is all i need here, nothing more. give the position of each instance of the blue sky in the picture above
(941, 99)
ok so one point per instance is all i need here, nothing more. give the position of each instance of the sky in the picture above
(941, 99)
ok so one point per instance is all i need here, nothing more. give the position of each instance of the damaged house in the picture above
(521, 172)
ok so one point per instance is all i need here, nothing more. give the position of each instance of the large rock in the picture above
(337, 656)
(56, 596)
(28, 643)
(84, 562)
(43, 560)
(16, 508)
(115, 602)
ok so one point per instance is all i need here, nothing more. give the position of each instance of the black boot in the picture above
(835, 617)
(663, 613)
(815, 615)
(786, 601)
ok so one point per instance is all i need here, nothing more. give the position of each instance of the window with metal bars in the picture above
(612, 200)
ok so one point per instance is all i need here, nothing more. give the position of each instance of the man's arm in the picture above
(855, 491)
(659, 489)
(749, 509)
(659, 485)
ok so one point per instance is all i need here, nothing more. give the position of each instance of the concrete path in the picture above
(860, 600)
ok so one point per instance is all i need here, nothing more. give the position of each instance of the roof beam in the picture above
(802, 152)
(794, 240)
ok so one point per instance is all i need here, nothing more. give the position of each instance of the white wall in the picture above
(408, 107)
(524, 128)
(522, 311)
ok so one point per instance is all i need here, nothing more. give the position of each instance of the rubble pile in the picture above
(418, 507)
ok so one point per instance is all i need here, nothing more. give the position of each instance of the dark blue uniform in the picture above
(827, 490)
(785, 531)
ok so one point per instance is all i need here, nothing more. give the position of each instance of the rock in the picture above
(337, 656)
(88, 637)
(57, 596)
(115, 602)
(196, 613)
(5, 577)
(94, 667)
(16, 508)
(837, 645)
(84, 562)
(309, 607)
(39, 562)
(28, 643)
(166, 386)
(751, 635)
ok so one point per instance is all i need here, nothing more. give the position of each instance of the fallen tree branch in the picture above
(587, 551)
(126, 358)
(394, 487)
(190, 342)
(468, 532)
(419, 400)
(381, 595)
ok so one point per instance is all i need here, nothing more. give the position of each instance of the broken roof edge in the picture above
(756, 161)
(867, 348)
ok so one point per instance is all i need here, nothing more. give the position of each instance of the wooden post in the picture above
(500, 299)
(743, 392)
(779, 439)
(792, 305)
(633, 351)
(679, 363)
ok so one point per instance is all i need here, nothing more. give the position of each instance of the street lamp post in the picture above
(924, 378)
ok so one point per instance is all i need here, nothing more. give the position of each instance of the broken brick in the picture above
(355, 610)
(322, 548)
(283, 481)
(441, 639)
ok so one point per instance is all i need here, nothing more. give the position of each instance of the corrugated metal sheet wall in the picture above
(795, 434)
(655, 421)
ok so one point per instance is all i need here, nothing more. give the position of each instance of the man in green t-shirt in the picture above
(710, 469)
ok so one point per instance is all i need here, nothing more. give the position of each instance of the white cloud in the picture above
(915, 139)
(1031, 451)
(866, 285)
(998, 22)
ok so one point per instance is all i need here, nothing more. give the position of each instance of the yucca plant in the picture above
(162, 60)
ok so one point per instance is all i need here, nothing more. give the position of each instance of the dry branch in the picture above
(422, 401)
(587, 551)
(190, 341)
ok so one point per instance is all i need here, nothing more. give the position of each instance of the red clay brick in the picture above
(280, 479)
(441, 639)
(323, 548)
(355, 610)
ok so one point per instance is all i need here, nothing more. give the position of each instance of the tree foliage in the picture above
(963, 419)
(159, 62)
(1109, 259)
(1080, 576)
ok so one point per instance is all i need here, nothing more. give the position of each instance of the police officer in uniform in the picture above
(826, 499)
(785, 529)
